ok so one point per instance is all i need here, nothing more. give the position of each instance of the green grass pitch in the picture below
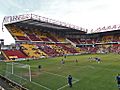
(86, 75)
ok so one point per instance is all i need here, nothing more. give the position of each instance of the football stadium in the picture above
(59, 45)
(46, 51)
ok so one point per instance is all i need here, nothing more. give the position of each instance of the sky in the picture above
(89, 14)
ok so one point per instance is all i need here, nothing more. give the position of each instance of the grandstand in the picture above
(40, 37)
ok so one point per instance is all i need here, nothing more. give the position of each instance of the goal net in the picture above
(20, 73)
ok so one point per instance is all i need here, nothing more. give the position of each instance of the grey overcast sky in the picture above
(88, 14)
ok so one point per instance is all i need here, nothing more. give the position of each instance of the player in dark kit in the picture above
(39, 67)
(76, 61)
(62, 61)
(70, 80)
(118, 80)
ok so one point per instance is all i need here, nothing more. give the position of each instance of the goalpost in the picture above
(18, 72)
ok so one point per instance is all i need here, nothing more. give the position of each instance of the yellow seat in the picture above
(32, 51)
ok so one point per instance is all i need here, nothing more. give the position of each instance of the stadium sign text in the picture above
(11, 19)
(17, 18)
(106, 28)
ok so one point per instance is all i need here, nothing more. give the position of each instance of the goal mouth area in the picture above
(17, 70)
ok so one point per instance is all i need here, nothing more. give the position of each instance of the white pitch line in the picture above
(34, 83)
(55, 74)
(41, 85)
(67, 85)
(76, 80)
(59, 75)
(31, 81)
(88, 66)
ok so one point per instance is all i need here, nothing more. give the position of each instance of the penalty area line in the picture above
(67, 85)
(55, 74)
(59, 75)
(32, 82)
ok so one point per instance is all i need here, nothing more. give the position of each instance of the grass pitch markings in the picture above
(67, 85)
(31, 81)
(76, 80)
(58, 75)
